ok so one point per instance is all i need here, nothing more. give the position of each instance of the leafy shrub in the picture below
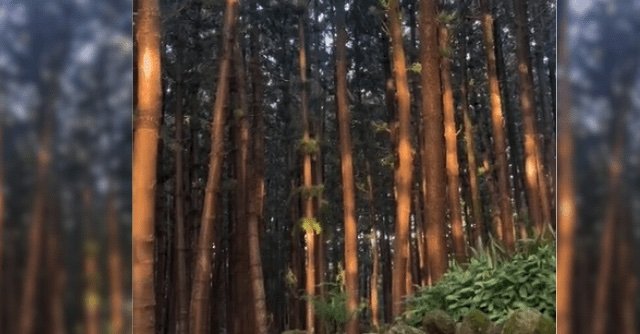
(494, 284)
(332, 310)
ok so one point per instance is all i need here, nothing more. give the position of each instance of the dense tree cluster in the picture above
(305, 143)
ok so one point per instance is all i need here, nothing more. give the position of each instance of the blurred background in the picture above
(65, 169)
(598, 166)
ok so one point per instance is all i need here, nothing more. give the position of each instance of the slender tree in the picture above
(115, 267)
(535, 183)
(201, 279)
(182, 293)
(307, 178)
(346, 163)
(404, 171)
(566, 191)
(433, 141)
(145, 143)
(451, 143)
(497, 125)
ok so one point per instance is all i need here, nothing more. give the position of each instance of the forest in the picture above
(344, 166)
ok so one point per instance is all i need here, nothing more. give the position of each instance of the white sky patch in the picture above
(86, 53)
(580, 7)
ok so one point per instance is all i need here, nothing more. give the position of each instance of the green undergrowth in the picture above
(493, 283)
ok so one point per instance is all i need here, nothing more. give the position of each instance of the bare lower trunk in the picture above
(404, 171)
(451, 142)
(346, 164)
(497, 122)
(433, 145)
(145, 146)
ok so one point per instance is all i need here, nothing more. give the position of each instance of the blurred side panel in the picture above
(65, 166)
(598, 163)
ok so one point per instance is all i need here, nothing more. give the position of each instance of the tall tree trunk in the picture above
(91, 272)
(566, 191)
(182, 292)
(346, 163)
(534, 174)
(55, 275)
(307, 179)
(145, 150)
(374, 302)
(433, 145)
(246, 316)
(115, 267)
(497, 122)
(36, 230)
(404, 171)
(202, 263)
(451, 142)
(255, 196)
(621, 104)
(472, 165)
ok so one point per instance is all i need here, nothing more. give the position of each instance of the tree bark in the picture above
(115, 267)
(451, 142)
(566, 191)
(404, 171)
(534, 174)
(145, 148)
(348, 187)
(433, 145)
(202, 270)
(497, 123)
(182, 293)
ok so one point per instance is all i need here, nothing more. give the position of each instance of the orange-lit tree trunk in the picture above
(307, 181)
(202, 271)
(613, 216)
(497, 123)
(346, 164)
(404, 171)
(374, 302)
(181, 249)
(55, 275)
(535, 180)
(250, 197)
(91, 270)
(36, 230)
(451, 142)
(566, 191)
(145, 151)
(255, 196)
(433, 145)
(245, 313)
(115, 268)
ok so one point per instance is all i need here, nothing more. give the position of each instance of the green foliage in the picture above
(493, 284)
(380, 126)
(310, 224)
(291, 279)
(312, 191)
(238, 114)
(309, 146)
(447, 17)
(384, 4)
(332, 309)
(415, 68)
(446, 52)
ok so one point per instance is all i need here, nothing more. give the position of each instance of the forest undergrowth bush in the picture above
(493, 283)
